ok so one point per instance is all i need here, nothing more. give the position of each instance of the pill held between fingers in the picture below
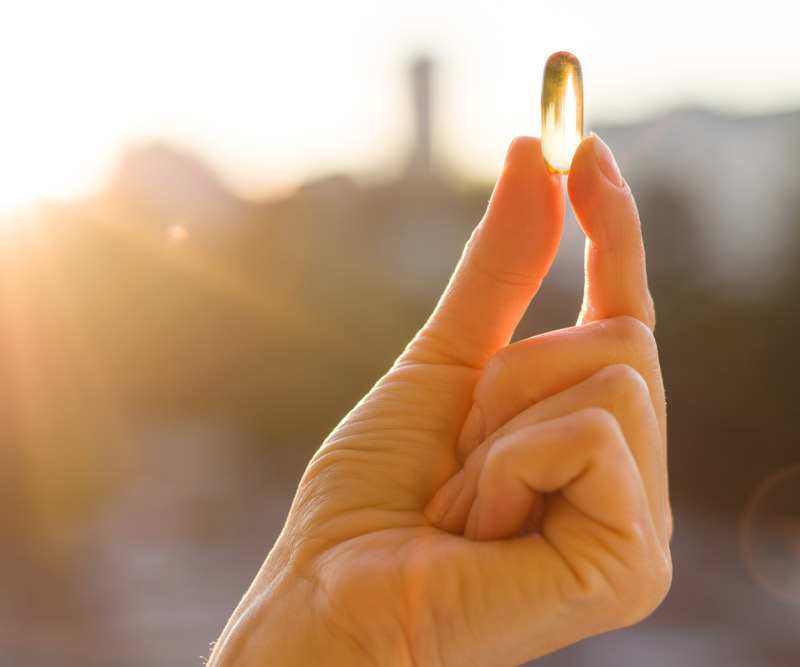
(562, 110)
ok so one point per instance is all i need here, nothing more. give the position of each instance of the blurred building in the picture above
(420, 166)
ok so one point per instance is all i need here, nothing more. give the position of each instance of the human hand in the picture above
(489, 573)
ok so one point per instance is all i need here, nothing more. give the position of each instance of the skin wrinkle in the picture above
(362, 456)
(323, 468)
(385, 427)
(403, 373)
(586, 567)
(413, 607)
(637, 538)
(511, 279)
(441, 351)
(337, 618)
(343, 613)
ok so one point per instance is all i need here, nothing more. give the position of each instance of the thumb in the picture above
(502, 266)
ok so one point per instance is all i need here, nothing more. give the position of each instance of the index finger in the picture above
(616, 279)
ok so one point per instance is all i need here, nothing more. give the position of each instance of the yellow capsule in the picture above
(562, 110)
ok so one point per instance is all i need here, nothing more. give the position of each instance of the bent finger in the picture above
(530, 370)
(619, 390)
(582, 457)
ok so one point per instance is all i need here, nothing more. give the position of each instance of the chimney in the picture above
(420, 166)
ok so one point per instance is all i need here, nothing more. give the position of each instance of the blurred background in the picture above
(220, 223)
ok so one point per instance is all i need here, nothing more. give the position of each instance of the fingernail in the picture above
(472, 433)
(510, 149)
(606, 162)
(438, 507)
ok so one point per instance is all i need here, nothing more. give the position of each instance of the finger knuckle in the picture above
(497, 373)
(598, 426)
(622, 383)
(600, 434)
(628, 591)
(652, 585)
(636, 591)
(649, 579)
(497, 462)
(632, 332)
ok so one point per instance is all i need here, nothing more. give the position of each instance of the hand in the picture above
(555, 528)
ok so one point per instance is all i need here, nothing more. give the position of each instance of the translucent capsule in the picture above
(562, 110)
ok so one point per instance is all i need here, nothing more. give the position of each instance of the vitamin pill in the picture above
(562, 110)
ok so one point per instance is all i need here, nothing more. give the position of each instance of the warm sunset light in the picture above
(55, 169)
(271, 93)
(222, 222)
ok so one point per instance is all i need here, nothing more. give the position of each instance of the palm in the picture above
(394, 450)
(380, 553)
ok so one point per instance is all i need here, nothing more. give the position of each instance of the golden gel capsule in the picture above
(562, 110)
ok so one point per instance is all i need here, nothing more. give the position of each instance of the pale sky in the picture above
(271, 93)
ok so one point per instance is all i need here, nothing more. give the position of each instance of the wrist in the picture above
(281, 621)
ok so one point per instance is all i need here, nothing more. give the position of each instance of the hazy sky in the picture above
(272, 92)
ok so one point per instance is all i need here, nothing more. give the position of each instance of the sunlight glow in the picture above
(54, 168)
(270, 96)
